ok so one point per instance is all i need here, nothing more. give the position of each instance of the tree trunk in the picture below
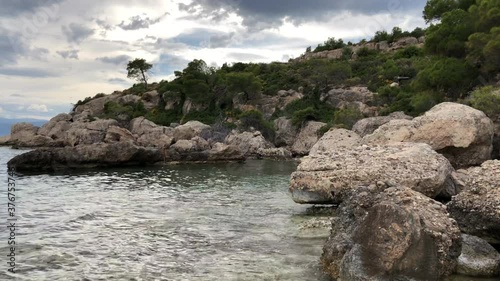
(144, 79)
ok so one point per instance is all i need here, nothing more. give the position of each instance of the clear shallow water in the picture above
(193, 222)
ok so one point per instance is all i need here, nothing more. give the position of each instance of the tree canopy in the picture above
(138, 69)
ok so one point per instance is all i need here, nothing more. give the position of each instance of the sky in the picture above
(56, 52)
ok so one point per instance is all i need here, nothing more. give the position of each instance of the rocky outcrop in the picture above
(118, 134)
(368, 125)
(95, 107)
(459, 132)
(84, 156)
(268, 104)
(57, 128)
(198, 150)
(307, 137)
(286, 133)
(382, 46)
(26, 135)
(5, 140)
(189, 130)
(149, 134)
(477, 208)
(82, 133)
(478, 258)
(331, 175)
(335, 139)
(274, 153)
(398, 234)
(341, 98)
(249, 143)
(151, 100)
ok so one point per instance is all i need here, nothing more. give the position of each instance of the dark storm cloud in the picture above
(68, 54)
(76, 33)
(13, 8)
(262, 14)
(27, 72)
(13, 46)
(139, 22)
(117, 60)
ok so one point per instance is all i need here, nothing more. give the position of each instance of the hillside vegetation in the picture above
(461, 54)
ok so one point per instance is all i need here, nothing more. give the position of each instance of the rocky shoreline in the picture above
(418, 198)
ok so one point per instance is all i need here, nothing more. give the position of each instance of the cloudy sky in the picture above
(55, 52)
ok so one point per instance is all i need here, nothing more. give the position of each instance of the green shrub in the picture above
(486, 99)
(255, 119)
(347, 117)
(424, 101)
(163, 117)
(119, 111)
(303, 115)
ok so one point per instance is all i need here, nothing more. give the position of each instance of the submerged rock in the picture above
(398, 234)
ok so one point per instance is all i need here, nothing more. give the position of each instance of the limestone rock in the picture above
(84, 156)
(149, 134)
(330, 176)
(368, 125)
(335, 139)
(249, 143)
(189, 130)
(398, 234)
(345, 97)
(118, 134)
(198, 150)
(140, 125)
(404, 42)
(274, 153)
(478, 258)
(57, 127)
(151, 100)
(95, 107)
(285, 132)
(477, 208)
(5, 140)
(307, 137)
(459, 132)
(25, 135)
(88, 132)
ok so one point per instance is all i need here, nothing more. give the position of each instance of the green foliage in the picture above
(347, 117)
(422, 102)
(138, 69)
(119, 111)
(365, 52)
(330, 44)
(435, 9)
(324, 129)
(244, 82)
(255, 119)
(136, 89)
(450, 76)
(163, 117)
(487, 99)
(303, 115)
(409, 52)
(208, 117)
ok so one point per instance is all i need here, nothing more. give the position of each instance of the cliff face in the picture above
(382, 46)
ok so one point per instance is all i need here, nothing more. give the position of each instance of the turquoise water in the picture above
(190, 222)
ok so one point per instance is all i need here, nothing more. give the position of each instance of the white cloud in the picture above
(38, 108)
(1, 110)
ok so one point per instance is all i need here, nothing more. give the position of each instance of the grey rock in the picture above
(478, 258)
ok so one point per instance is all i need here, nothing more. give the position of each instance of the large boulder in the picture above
(95, 107)
(346, 97)
(461, 133)
(478, 258)
(149, 134)
(404, 42)
(26, 135)
(57, 127)
(81, 133)
(477, 208)
(198, 150)
(118, 134)
(335, 139)
(151, 100)
(268, 104)
(84, 156)
(368, 125)
(189, 130)
(249, 143)
(308, 136)
(398, 234)
(286, 132)
(331, 175)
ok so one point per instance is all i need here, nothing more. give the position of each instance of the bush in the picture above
(119, 111)
(255, 119)
(301, 116)
(424, 101)
(163, 117)
(347, 117)
(486, 99)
